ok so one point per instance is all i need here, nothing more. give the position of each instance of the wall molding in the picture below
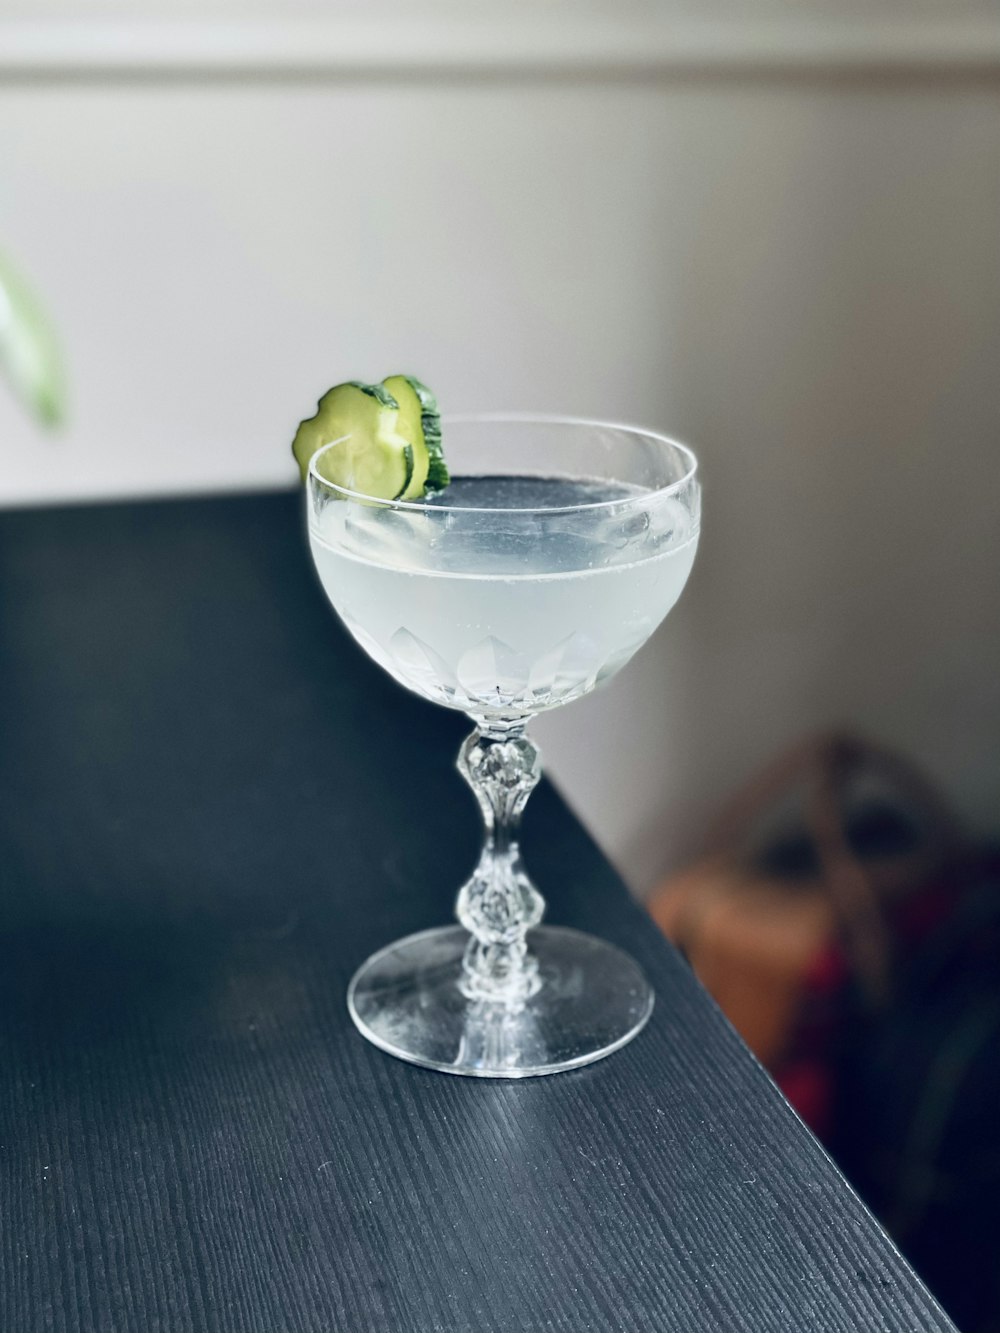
(541, 42)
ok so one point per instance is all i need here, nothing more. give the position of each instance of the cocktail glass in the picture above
(557, 550)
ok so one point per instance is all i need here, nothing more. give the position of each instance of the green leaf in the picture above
(30, 355)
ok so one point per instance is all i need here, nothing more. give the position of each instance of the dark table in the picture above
(213, 808)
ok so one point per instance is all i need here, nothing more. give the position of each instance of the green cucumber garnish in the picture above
(368, 455)
(385, 438)
(420, 422)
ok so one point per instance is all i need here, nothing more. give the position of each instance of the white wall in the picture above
(788, 254)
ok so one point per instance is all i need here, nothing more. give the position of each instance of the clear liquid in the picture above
(500, 612)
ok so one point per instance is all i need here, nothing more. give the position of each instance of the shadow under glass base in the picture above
(593, 999)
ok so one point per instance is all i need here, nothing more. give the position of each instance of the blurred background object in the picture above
(29, 351)
(850, 931)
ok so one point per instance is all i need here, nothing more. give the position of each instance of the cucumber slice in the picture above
(408, 424)
(380, 468)
(372, 456)
(421, 409)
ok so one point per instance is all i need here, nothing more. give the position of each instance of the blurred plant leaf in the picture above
(30, 355)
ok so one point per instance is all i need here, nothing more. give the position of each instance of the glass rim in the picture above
(526, 418)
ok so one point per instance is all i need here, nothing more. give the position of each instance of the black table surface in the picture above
(213, 808)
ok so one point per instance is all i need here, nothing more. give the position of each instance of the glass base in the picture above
(592, 999)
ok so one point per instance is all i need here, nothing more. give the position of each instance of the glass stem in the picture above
(499, 904)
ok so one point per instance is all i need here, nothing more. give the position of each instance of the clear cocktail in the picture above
(556, 550)
(491, 616)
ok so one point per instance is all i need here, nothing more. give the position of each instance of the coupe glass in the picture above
(554, 554)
